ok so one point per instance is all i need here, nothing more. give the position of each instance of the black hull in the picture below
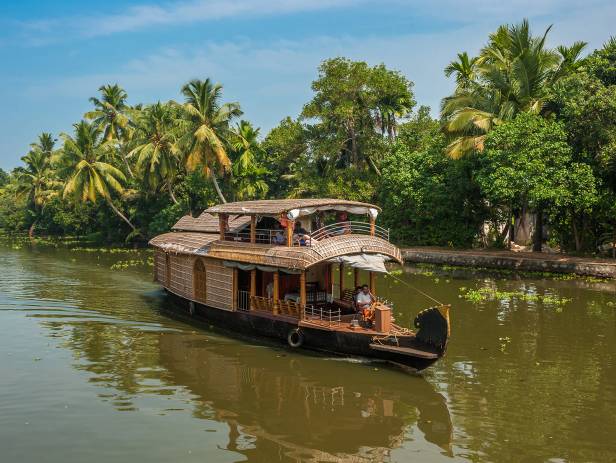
(251, 324)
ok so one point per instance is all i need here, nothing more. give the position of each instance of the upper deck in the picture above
(294, 234)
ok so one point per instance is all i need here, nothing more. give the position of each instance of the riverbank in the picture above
(502, 259)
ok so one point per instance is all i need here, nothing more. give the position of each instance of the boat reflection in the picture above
(304, 407)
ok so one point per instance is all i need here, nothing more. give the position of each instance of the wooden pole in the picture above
(302, 289)
(253, 284)
(253, 228)
(290, 227)
(373, 283)
(276, 287)
(355, 278)
(341, 278)
(222, 225)
(372, 226)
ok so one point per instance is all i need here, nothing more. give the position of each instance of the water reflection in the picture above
(301, 407)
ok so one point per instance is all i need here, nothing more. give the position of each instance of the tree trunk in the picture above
(576, 235)
(352, 136)
(130, 172)
(170, 189)
(31, 230)
(538, 236)
(504, 233)
(217, 187)
(119, 214)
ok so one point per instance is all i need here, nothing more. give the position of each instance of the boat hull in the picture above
(341, 343)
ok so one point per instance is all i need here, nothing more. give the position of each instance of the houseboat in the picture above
(267, 268)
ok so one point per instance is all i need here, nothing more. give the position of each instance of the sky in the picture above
(54, 55)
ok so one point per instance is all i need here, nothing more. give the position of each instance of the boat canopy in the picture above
(208, 223)
(297, 257)
(294, 208)
(369, 262)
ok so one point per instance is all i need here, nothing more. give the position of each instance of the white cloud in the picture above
(140, 17)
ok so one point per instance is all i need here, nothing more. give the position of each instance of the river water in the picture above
(93, 368)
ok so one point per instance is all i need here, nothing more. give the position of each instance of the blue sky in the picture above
(55, 54)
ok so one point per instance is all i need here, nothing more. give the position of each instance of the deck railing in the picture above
(243, 300)
(280, 307)
(322, 315)
(348, 228)
(267, 236)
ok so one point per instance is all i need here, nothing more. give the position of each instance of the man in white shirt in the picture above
(364, 298)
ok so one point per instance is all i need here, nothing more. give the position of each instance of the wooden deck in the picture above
(404, 351)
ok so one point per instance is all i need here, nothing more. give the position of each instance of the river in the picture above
(94, 368)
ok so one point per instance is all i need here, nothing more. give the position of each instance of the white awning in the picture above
(369, 262)
(295, 213)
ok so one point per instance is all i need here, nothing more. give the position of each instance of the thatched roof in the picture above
(208, 223)
(276, 256)
(275, 207)
(184, 243)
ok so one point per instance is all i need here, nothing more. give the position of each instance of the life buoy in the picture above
(295, 338)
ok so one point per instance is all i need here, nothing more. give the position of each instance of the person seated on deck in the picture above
(344, 227)
(364, 301)
(300, 235)
(279, 238)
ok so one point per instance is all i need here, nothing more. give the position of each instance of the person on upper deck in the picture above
(300, 235)
(278, 237)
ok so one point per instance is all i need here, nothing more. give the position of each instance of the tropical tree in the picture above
(88, 176)
(156, 149)
(36, 180)
(528, 163)
(513, 73)
(111, 116)
(248, 163)
(206, 129)
(465, 70)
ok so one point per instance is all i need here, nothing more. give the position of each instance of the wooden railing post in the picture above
(302, 289)
(253, 229)
(341, 278)
(373, 283)
(253, 285)
(276, 287)
(290, 227)
(372, 226)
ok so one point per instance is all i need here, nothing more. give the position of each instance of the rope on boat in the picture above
(416, 289)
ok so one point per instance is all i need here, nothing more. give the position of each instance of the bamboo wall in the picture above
(160, 267)
(181, 268)
(219, 283)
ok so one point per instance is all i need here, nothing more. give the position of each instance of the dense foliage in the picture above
(528, 130)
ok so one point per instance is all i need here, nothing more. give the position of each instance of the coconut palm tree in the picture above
(111, 115)
(36, 180)
(246, 168)
(88, 176)
(465, 70)
(512, 74)
(156, 147)
(206, 129)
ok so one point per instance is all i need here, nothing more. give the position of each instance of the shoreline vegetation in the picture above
(528, 137)
(490, 261)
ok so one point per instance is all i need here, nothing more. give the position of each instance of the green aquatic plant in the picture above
(491, 294)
